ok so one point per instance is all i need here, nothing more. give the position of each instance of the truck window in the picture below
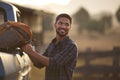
(2, 16)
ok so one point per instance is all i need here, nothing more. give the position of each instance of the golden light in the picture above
(39, 2)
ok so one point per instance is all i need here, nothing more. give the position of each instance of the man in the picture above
(61, 55)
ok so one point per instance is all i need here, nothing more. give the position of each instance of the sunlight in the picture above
(46, 2)
(39, 2)
(21, 2)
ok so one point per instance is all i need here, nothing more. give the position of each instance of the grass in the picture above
(37, 74)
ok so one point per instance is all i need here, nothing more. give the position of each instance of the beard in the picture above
(61, 32)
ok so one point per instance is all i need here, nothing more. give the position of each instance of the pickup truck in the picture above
(17, 65)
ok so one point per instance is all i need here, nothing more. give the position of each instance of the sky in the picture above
(71, 6)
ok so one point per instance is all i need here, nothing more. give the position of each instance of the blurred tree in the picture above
(95, 25)
(118, 14)
(107, 20)
(82, 18)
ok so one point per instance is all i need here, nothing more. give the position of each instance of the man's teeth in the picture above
(62, 30)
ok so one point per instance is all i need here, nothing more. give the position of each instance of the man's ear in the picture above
(54, 25)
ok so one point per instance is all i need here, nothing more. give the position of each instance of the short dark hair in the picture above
(64, 15)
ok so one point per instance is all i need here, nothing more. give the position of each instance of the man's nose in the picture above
(63, 25)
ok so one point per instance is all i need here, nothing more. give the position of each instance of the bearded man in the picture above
(60, 57)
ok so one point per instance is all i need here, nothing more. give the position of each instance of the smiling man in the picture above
(61, 55)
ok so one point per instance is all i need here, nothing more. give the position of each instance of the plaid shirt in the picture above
(63, 58)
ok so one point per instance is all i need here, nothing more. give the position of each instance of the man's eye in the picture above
(66, 24)
(60, 23)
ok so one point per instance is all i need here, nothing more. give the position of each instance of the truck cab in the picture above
(17, 65)
(8, 12)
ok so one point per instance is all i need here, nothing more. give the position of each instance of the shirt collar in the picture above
(62, 41)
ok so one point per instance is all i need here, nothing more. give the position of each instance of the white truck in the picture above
(17, 65)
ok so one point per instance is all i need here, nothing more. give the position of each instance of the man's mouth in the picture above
(62, 31)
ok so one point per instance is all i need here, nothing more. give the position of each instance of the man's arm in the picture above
(35, 56)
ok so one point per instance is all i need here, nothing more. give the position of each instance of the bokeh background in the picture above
(95, 29)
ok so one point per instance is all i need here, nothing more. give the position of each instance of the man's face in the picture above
(62, 26)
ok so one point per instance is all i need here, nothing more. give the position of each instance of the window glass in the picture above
(2, 16)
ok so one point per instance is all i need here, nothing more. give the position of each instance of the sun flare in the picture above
(39, 2)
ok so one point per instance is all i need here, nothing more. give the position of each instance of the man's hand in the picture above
(28, 48)
(35, 56)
